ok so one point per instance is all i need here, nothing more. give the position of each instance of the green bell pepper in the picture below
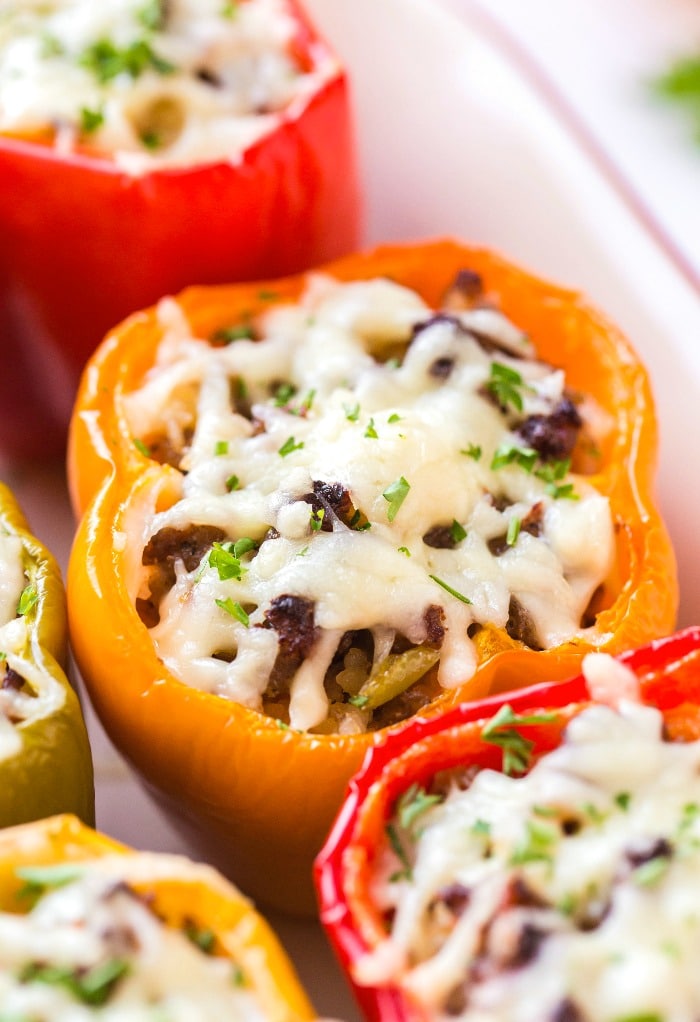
(45, 760)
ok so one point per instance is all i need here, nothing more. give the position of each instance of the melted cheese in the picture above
(151, 82)
(377, 429)
(604, 836)
(96, 920)
(41, 695)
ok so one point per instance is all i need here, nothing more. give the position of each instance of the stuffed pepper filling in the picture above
(364, 483)
(153, 82)
(27, 693)
(568, 893)
(92, 944)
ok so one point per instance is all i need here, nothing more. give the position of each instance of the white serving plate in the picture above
(453, 140)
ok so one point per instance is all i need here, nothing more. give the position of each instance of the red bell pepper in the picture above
(83, 243)
(669, 679)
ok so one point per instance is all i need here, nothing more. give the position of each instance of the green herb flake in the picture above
(481, 828)
(90, 120)
(352, 412)
(622, 800)
(472, 451)
(229, 9)
(233, 483)
(448, 589)
(142, 448)
(552, 473)
(651, 872)
(290, 445)
(359, 701)
(238, 976)
(537, 844)
(457, 531)
(93, 987)
(220, 447)
(502, 731)
(412, 804)
(39, 879)
(28, 598)
(405, 551)
(201, 937)
(371, 431)
(681, 85)
(284, 394)
(394, 417)
(395, 494)
(316, 520)
(512, 454)
(234, 608)
(400, 853)
(152, 15)
(106, 61)
(231, 334)
(225, 557)
(513, 531)
(642, 1016)
(505, 384)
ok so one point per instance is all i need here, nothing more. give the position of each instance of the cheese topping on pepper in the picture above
(570, 893)
(93, 947)
(27, 692)
(364, 484)
(151, 82)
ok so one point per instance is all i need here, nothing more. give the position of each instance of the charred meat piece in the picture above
(553, 436)
(292, 617)
(12, 679)
(465, 291)
(520, 625)
(160, 554)
(335, 502)
(434, 618)
(440, 537)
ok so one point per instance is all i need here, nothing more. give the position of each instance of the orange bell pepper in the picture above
(185, 895)
(256, 798)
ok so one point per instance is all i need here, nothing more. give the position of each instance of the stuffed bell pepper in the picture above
(532, 857)
(45, 761)
(146, 145)
(89, 928)
(321, 505)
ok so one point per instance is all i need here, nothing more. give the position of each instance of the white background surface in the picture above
(543, 143)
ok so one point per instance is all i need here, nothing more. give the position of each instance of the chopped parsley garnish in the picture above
(622, 799)
(352, 412)
(400, 853)
(509, 454)
(92, 986)
(233, 483)
(395, 494)
(230, 334)
(506, 384)
(501, 731)
(238, 977)
(107, 61)
(226, 558)
(356, 523)
(152, 14)
(371, 431)
(284, 394)
(513, 531)
(28, 598)
(449, 589)
(234, 608)
(90, 120)
(358, 701)
(316, 520)
(481, 827)
(290, 445)
(150, 140)
(552, 473)
(644, 1016)
(405, 551)
(472, 451)
(201, 937)
(457, 531)
(681, 84)
(142, 448)
(220, 447)
(229, 9)
(394, 417)
(536, 845)
(413, 803)
(39, 879)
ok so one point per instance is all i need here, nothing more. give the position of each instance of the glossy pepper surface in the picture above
(47, 766)
(257, 797)
(669, 679)
(185, 895)
(96, 243)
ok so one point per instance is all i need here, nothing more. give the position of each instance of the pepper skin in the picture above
(182, 893)
(669, 676)
(52, 772)
(257, 798)
(95, 243)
